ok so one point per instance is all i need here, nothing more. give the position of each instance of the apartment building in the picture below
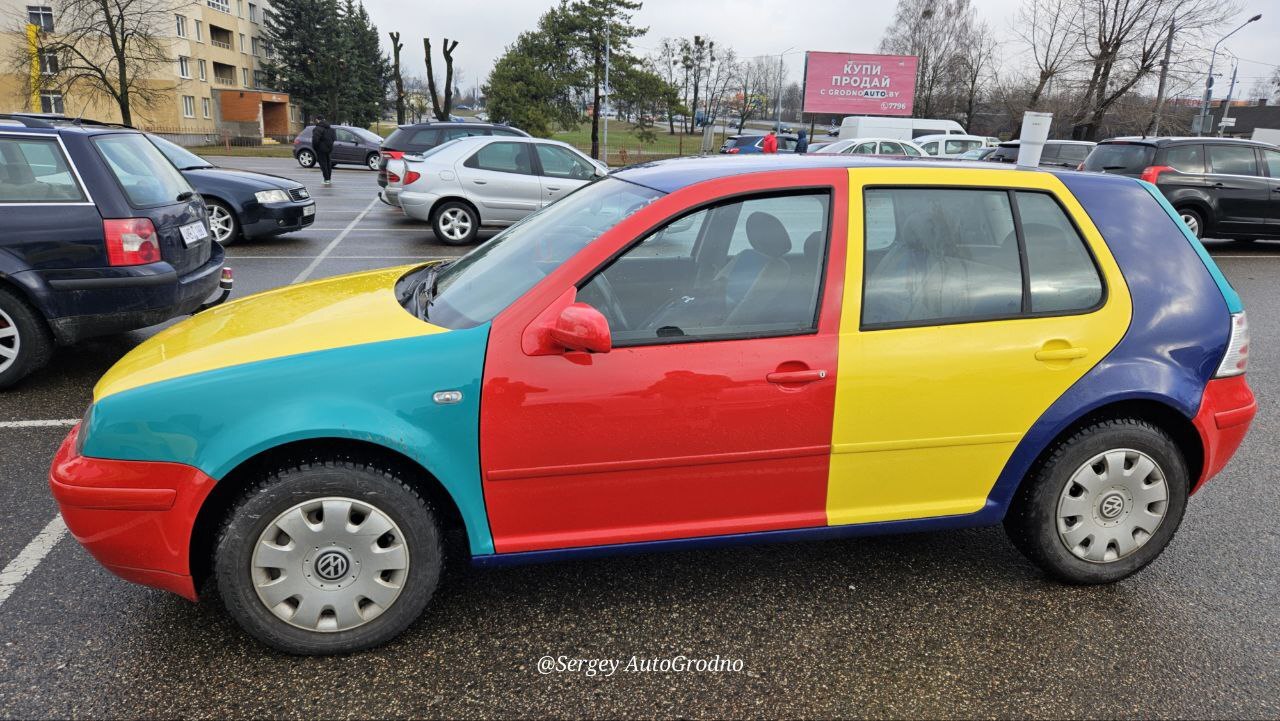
(214, 84)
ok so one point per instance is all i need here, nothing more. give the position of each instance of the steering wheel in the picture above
(599, 294)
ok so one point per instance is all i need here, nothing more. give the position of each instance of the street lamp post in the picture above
(777, 121)
(1208, 81)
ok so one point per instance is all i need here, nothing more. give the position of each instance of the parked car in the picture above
(949, 146)
(872, 146)
(978, 153)
(351, 146)
(420, 137)
(1221, 187)
(556, 392)
(815, 147)
(1056, 153)
(492, 181)
(101, 235)
(748, 144)
(897, 128)
(242, 203)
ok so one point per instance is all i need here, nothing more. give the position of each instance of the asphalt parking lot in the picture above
(952, 624)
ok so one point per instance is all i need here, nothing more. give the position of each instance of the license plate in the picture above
(309, 211)
(193, 233)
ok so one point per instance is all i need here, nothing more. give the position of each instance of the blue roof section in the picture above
(670, 175)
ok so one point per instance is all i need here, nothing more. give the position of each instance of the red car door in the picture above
(712, 413)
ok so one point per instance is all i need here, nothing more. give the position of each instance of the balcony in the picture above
(221, 44)
(221, 37)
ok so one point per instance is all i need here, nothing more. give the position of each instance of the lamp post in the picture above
(1208, 80)
(777, 121)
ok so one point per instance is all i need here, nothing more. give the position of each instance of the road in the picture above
(942, 625)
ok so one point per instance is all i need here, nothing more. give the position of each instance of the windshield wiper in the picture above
(426, 286)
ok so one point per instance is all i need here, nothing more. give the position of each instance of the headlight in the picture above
(271, 196)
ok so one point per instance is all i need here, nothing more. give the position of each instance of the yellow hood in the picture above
(331, 313)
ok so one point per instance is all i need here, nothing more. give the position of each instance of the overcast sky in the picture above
(752, 27)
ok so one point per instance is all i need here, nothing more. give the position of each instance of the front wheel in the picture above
(328, 557)
(1103, 505)
(306, 158)
(223, 222)
(372, 161)
(1194, 221)
(455, 223)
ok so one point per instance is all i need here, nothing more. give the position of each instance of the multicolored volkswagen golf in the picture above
(685, 353)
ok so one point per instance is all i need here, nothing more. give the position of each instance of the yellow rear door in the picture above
(974, 299)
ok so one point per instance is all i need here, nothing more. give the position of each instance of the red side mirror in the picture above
(582, 328)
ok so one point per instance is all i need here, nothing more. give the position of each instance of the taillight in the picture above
(131, 241)
(392, 177)
(396, 154)
(410, 176)
(1237, 356)
(732, 151)
(1152, 174)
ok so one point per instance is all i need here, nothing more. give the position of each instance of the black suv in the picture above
(101, 235)
(1222, 187)
(1056, 153)
(420, 137)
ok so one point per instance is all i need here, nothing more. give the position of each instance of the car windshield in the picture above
(181, 157)
(146, 176)
(476, 287)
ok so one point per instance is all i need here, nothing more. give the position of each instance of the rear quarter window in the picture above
(1119, 158)
(33, 170)
(146, 176)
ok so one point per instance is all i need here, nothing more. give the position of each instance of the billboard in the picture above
(859, 84)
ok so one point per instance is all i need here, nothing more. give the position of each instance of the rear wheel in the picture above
(455, 223)
(1103, 505)
(1194, 221)
(223, 222)
(25, 341)
(372, 161)
(328, 557)
(306, 158)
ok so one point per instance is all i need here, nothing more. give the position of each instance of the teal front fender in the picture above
(380, 393)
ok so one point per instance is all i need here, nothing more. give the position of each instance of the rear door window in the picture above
(1232, 160)
(1272, 159)
(33, 170)
(887, 148)
(146, 176)
(448, 134)
(1185, 158)
(1073, 153)
(421, 139)
(957, 147)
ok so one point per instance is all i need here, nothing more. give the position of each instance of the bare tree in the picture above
(397, 76)
(933, 31)
(1048, 30)
(973, 66)
(666, 63)
(113, 48)
(441, 109)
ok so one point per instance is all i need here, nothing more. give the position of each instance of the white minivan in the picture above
(867, 126)
(950, 145)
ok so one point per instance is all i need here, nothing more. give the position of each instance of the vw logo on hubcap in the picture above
(332, 565)
(1111, 506)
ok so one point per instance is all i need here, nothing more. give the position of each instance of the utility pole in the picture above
(606, 94)
(1154, 127)
(1226, 104)
(777, 121)
(1208, 80)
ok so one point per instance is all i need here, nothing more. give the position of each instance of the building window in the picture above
(199, 31)
(51, 103)
(204, 105)
(48, 63)
(255, 46)
(184, 67)
(240, 8)
(244, 47)
(253, 13)
(244, 75)
(259, 79)
(204, 70)
(220, 5)
(42, 17)
(268, 49)
(182, 25)
(188, 106)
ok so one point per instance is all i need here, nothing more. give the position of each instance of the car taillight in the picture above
(297, 141)
(392, 177)
(131, 241)
(1237, 356)
(732, 151)
(1152, 174)
(410, 176)
(396, 154)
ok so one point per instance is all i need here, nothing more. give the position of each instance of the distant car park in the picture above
(749, 144)
(872, 146)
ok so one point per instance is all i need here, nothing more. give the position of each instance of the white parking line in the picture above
(30, 557)
(58, 423)
(311, 268)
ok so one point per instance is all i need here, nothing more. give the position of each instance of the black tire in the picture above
(371, 161)
(1194, 220)
(24, 331)
(306, 158)
(217, 209)
(1031, 522)
(283, 489)
(444, 212)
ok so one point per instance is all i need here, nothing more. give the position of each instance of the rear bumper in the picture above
(418, 205)
(135, 517)
(1226, 410)
(87, 302)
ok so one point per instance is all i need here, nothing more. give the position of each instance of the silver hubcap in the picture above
(1192, 223)
(455, 223)
(10, 341)
(1112, 505)
(306, 158)
(373, 162)
(221, 223)
(330, 564)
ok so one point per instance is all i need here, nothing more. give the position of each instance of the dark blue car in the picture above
(101, 234)
(242, 203)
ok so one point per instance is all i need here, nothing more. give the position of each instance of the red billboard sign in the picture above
(859, 84)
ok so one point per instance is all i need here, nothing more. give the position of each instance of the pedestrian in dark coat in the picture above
(322, 141)
(802, 143)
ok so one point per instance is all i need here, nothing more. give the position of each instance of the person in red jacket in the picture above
(770, 143)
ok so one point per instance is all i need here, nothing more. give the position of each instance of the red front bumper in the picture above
(1226, 410)
(135, 517)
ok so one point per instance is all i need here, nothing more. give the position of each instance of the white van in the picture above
(950, 145)
(867, 126)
